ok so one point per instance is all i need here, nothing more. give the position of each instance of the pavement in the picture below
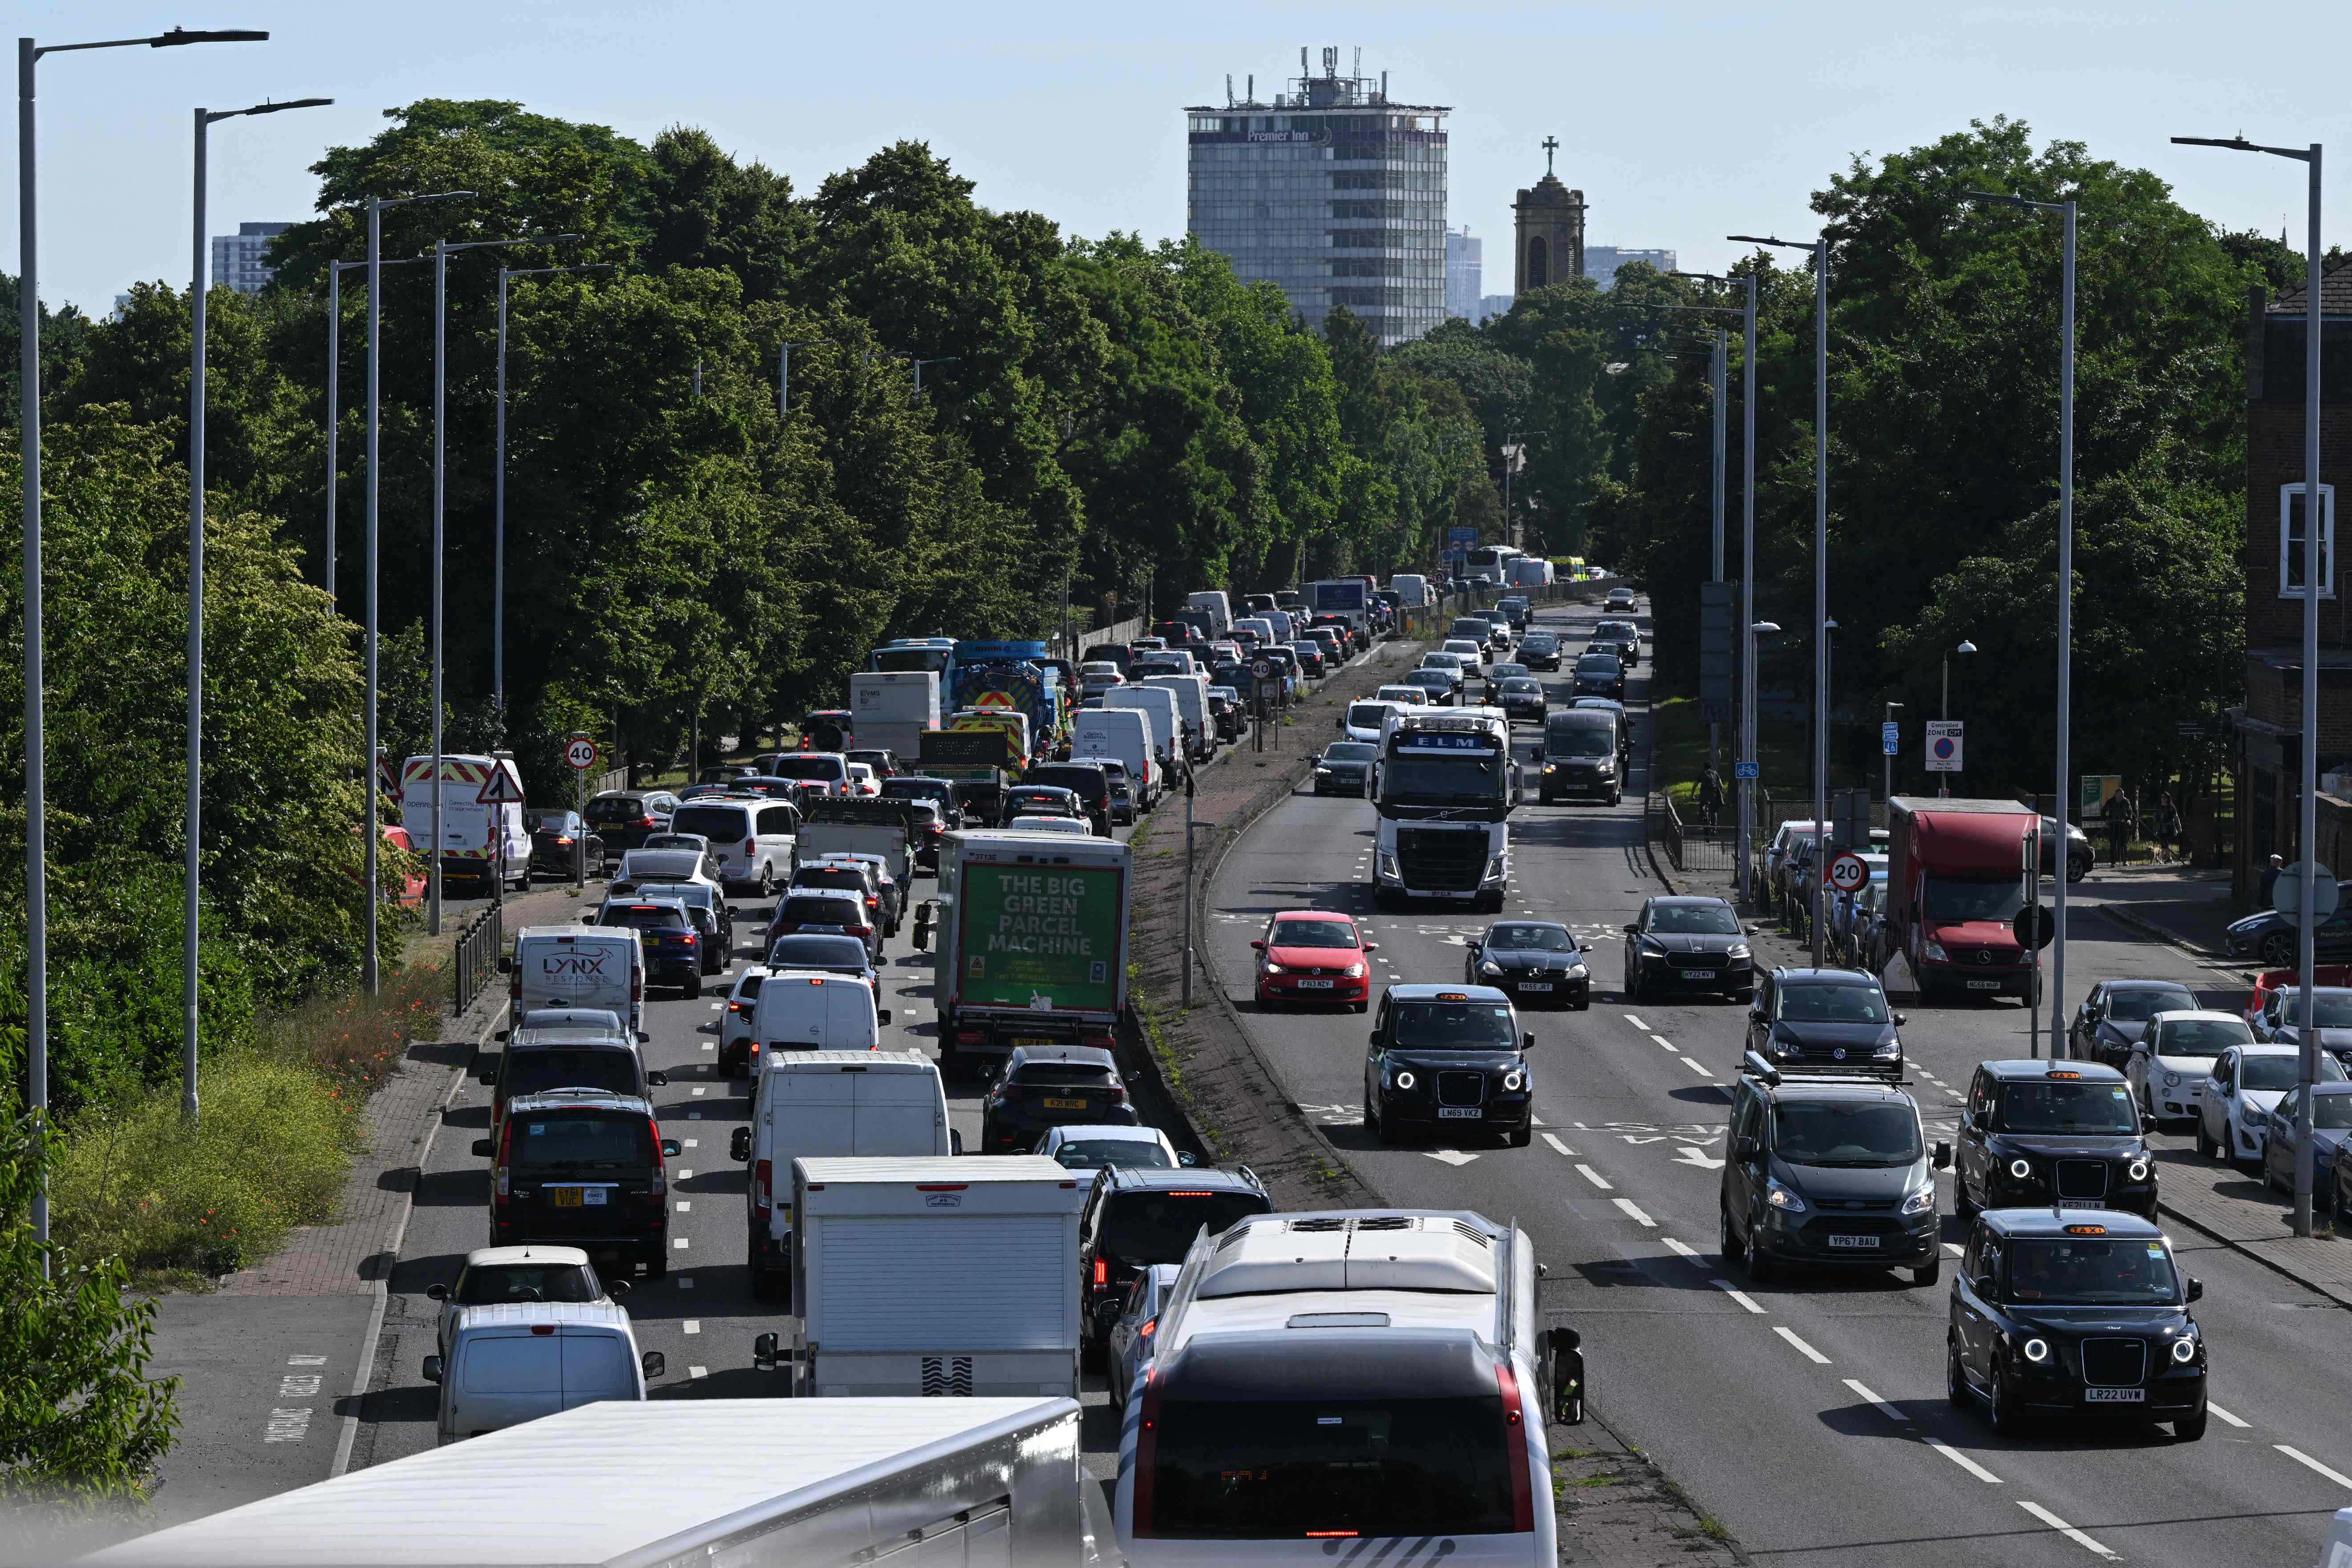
(1806, 1418)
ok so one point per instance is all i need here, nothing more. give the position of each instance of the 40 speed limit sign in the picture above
(581, 753)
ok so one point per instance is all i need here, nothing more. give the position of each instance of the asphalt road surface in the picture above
(1808, 1416)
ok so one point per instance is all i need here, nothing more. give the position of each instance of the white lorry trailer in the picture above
(719, 1483)
(894, 708)
(1445, 786)
(931, 1277)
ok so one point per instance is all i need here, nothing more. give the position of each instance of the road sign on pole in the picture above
(503, 788)
(2286, 893)
(581, 753)
(1849, 873)
(1746, 771)
(1944, 746)
(1890, 738)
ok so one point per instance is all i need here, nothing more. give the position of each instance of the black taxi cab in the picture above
(2035, 1132)
(2061, 1311)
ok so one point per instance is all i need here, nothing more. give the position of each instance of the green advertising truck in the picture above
(1029, 942)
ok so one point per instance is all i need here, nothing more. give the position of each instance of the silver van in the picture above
(518, 1361)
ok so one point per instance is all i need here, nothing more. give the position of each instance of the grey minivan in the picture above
(517, 1361)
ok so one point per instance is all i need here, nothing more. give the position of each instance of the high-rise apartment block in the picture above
(1329, 191)
(1601, 261)
(238, 259)
(1465, 268)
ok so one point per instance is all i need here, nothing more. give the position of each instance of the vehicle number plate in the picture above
(564, 1196)
(2114, 1396)
(1053, 1104)
(1865, 1241)
(1984, 985)
(1699, 974)
(807, 928)
(594, 1197)
(1458, 1112)
(1535, 985)
(1029, 1040)
(1314, 985)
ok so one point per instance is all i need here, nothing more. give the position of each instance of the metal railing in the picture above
(1697, 848)
(475, 963)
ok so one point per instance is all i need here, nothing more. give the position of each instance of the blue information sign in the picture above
(1746, 771)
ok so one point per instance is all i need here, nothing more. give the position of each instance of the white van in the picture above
(1192, 710)
(579, 967)
(753, 838)
(1412, 590)
(484, 844)
(1122, 735)
(1216, 606)
(517, 1361)
(1158, 704)
(808, 1009)
(815, 1103)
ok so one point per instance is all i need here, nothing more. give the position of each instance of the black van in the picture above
(1580, 756)
(586, 1168)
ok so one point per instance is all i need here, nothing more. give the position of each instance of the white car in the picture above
(2170, 1063)
(1411, 697)
(1363, 720)
(752, 840)
(496, 1275)
(641, 867)
(2245, 1085)
(1463, 646)
(864, 780)
(1075, 826)
(1087, 1146)
(735, 1021)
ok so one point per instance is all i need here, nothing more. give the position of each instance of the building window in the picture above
(2291, 541)
(1537, 262)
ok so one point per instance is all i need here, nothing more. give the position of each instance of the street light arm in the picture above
(160, 41)
(432, 196)
(497, 243)
(2240, 145)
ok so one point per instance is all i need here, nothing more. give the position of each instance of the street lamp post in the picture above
(1888, 788)
(1943, 780)
(335, 271)
(785, 375)
(200, 278)
(498, 506)
(1755, 629)
(1513, 451)
(937, 360)
(2314, 519)
(28, 374)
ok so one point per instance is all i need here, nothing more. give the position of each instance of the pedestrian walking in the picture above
(2168, 825)
(2119, 828)
(2267, 897)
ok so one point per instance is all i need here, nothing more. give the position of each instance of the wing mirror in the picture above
(617, 1288)
(1372, 947)
(656, 1079)
(1943, 1157)
(763, 1353)
(2195, 1289)
(1900, 1020)
(1745, 1148)
(488, 1072)
(655, 1364)
(1564, 1349)
(883, 1014)
(671, 1148)
(1981, 1120)
(436, 1292)
(1633, 930)
(502, 1034)
(432, 1369)
(643, 1037)
(482, 1149)
(739, 1146)
(955, 1140)
(1474, 946)
(1528, 1041)
(1257, 947)
(506, 967)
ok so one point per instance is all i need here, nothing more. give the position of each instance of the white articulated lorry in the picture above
(1444, 787)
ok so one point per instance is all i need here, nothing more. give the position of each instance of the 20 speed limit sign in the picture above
(581, 753)
(1849, 872)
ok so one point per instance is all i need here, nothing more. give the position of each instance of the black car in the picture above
(1345, 768)
(1087, 781)
(2074, 1313)
(1531, 962)
(555, 838)
(921, 787)
(672, 948)
(1225, 704)
(1687, 943)
(2037, 1132)
(1447, 1059)
(2114, 1016)
(1137, 1217)
(1043, 1086)
(1599, 673)
(586, 1168)
(1521, 699)
(624, 818)
(1624, 636)
(1441, 684)
(1833, 1020)
(884, 762)
(1541, 650)
(562, 1050)
(1829, 1170)
(1043, 800)
(1513, 605)
(2272, 938)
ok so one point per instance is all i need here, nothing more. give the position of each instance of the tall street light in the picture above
(442, 251)
(369, 976)
(1514, 453)
(785, 375)
(499, 549)
(2065, 586)
(335, 271)
(1821, 249)
(2314, 519)
(200, 276)
(1943, 780)
(28, 403)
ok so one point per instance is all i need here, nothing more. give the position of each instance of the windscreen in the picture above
(547, 822)
(529, 1071)
(487, 1285)
(1521, 686)
(1360, 1467)
(1952, 899)
(2328, 1012)
(822, 912)
(1367, 716)
(918, 790)
(1620, 629)
(848, 879)
(817, 953)
(646, 917)
(1082, 781)
(1452, 1026)
(1825, 1002)
(1094, 1154)
(2281, 1072)
(2061, 1105)
(2139, 1006)
(1539, 642)
(581, 1140)
(2092, 1272)
(2201, 1037)
(615, 809)
(2332, 1112)
(830, 769)
(1597, 664)
(1313, 933)
(1159, 1227)
(1853, 1133)
(1587, 740)
(1351, 751)
(1694, 920)
(1443, 768)
(719, 824)
(1529, 939)
(1081, 1072)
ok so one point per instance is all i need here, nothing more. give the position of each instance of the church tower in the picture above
(1550, 230)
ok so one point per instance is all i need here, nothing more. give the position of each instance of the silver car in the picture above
(1128, 1346)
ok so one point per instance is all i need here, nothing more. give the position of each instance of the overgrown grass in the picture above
(281, 1120)
(1679, 737)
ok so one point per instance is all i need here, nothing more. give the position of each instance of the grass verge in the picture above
(1679, 742)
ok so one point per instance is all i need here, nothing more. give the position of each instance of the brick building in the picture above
(2270, 725)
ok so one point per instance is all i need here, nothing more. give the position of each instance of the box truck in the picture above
(1030, 934)
(935, 1277)
(894, 708)
(1955, 881)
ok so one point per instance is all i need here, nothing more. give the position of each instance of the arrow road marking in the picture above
(1451, 1156)
(1699, 1157)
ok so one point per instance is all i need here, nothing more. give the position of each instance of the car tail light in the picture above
(764, 1195)
(1515, 1449)
(648, 821)
(1102, 1273)
(1102, 1041)
(563, 838)
(858, 931)
(1006, 1093)
(1116, 1096)
(506, 1147)
(739, 1007)
(872, 903)
(750, 848)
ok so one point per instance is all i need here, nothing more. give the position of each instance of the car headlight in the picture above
(1384, 863)
(1514, 1081)
(1490, 968)
(2172, 1081)
(1782, 1199)
(2021, 1169)
(1933, 951)
(1273, 968)
(1739, 952)
(1920, 1202)
(2037, 1351)
(2184, 1350)
(2137, 1170)
(1494, 866)
(1353, 972)
(1887, 1052)
(1404, 1079)
(1575, 969)
(1322, 773)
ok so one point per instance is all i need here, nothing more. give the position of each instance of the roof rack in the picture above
(1752, 1065)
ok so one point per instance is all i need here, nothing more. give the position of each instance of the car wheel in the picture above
(2001, 1409)
(693, 986)
(2205, 1146)
(1731, 1246)
(1521, 1138)
(2277, 949)
(767, 884)
(1956, 1383)
(1760, 1268)
(1360, 1006)
(1927, 1273)
(2188, 1428)
(1962, 1205)
(1634, 992)
(1373, 1120)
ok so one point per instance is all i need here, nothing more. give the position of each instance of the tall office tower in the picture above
(238, 259)
(1329, 191)
(1463, 266)
(1601, 261)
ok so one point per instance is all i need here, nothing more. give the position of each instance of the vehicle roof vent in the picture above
(1337, 1321)
(1388, 1222)
(1474, 1234)
(1326, 1223)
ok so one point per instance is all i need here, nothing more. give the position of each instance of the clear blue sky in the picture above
(1681, 123)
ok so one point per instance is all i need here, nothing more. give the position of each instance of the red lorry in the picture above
(1955, 874)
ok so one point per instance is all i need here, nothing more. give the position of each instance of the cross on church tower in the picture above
(1550, 145)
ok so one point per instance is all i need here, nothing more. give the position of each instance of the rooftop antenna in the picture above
(1384, 87)
(1356, 70)
(1330, 62)
(1302, 59)
(1229, 90)
(1253, 87)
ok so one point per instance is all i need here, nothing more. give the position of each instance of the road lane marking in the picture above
(306, 1361)
(692, 1326)
(1954, 1249)
(1595, 1177)
(1961, 1459)
(717, 1006)
(1684, 1250)
(287, 1426)
(683, 1174)
(2068, 1530)
(1697, 1067)
(1553, 1139)
(687, 1143)
(678, 1243)
(1628, 1204)
(701, 1089)
(1637, 1023)
(1808, 1352)
(685, 1281)
(1662, 1040)
(1882, 1407)
(698, 1371)
(2307, 1463)
(683, 1207)
(2225, 1416)
(710, 1045)
(1449, 1157)
(1742, 1297)
(1694, 1155)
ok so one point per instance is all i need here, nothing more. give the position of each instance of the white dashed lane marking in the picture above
(1553, 1139)
(678, 1243)
(1881, 1406)
(1628, 1204)
(698, 1371)
(1662, 1040)
(1595, 1177)
(1637, 1023)
(1684, 1250)
(1697, 1067)
(2066, 1530)
(1808, 1352)
(1962, 1461)
(691, 1325)
(1742, 1297)
(2307, 1463)
(2226, 1418)
(683, 1207)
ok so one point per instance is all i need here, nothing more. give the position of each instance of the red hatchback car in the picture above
(1314, 955)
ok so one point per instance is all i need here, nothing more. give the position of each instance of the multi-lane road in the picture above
(1808, 1416)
